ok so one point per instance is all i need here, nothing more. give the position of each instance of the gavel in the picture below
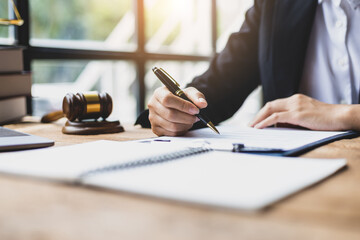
(90, 105)
(81, 106)
(86, 106)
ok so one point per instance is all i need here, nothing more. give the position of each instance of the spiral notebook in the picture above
(193, 174)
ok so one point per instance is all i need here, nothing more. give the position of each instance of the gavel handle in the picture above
(52, 117)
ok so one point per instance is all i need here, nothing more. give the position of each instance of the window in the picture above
(83, 24)
(230, 14)
(52, 79)
(177, 29)
(7, 35)
(111, 45)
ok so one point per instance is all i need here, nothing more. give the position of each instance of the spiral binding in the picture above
(148, 161)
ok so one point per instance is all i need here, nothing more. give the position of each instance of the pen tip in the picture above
(212, 127)
(154, 69)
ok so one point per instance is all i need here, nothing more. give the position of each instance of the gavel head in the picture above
(89, 105)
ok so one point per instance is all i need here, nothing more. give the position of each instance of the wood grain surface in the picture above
(34, 209)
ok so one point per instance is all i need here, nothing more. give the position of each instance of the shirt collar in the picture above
(354, 3)
(336, 2)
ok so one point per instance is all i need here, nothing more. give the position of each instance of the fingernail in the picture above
(257, 126)
(202, 100)
(197, 119)
(194, 110)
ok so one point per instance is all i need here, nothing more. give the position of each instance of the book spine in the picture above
(12, 109)
(11, 59)
(12, 85)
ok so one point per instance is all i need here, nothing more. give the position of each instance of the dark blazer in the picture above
(269, 49)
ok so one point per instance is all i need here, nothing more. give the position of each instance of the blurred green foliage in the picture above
(56, 71)
(4, 30)
(72, 20)
(76, 20)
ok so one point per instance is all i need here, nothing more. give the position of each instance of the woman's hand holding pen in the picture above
(171, 115)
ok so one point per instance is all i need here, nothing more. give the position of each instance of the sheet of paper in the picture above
(67, 163)
(223, 179)
(280, 138)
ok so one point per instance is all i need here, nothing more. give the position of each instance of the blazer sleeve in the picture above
(232, 75)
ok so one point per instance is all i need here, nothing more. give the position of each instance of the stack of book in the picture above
(15, 85)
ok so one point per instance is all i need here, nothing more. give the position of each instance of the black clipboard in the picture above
(300, 150)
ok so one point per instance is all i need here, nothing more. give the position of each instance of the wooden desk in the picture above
(33, 209)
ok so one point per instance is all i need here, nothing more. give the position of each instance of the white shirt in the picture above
(332, 66)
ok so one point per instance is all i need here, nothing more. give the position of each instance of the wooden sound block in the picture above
(92, 127)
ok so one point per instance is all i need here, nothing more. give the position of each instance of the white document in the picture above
(223, 179)
(230, 180)
(68, 163)
(279, 138)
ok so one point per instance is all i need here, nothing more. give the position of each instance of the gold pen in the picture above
(174, 87)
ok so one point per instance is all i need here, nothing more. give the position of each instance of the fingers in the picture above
(298, 110)
(278, 117)
(161, 126)
(169, 100)
(196, 97)
(296, 103)
(279, 105)
(172, 116)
